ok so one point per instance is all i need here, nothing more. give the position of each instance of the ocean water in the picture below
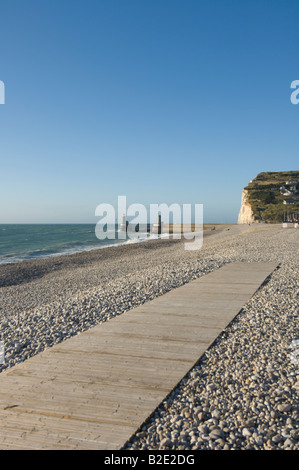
(26, 242)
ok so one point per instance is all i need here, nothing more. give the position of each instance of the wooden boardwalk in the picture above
(94, 390)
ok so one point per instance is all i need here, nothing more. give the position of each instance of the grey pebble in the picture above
(284, 408)
(216, 433)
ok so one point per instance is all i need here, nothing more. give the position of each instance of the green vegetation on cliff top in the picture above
(274, 196)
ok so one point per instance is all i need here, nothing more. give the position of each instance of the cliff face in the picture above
(271, 197)
(246, 213)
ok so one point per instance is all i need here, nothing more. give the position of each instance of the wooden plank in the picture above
(94, 390)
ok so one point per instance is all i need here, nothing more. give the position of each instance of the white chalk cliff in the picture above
(246, 213)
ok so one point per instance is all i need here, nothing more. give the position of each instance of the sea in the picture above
(22, 242)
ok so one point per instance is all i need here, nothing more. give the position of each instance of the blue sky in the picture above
(164, 101)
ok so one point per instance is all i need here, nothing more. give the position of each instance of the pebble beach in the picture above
(244, 391)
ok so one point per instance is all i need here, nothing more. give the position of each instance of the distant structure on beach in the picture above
(157, 228)
(271, 197)
(124, 225)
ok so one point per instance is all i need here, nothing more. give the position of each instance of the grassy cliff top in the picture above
(274, 195)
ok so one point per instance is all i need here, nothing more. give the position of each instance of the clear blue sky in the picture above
(164, 101)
